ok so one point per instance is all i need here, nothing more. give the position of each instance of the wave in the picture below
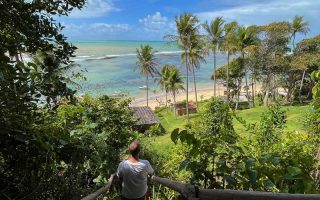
(167, 52)
(84, 56)
(112, 56)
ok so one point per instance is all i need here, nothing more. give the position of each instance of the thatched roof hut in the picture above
(181, 108)
(146, 118)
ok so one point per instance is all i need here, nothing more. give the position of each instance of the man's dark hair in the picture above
(134, 148)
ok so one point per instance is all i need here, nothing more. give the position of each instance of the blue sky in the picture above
(152, 19)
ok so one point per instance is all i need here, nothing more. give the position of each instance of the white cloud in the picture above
(263, 13)
(94, 8)
(95, 30)
(109, 28)
(155, 23)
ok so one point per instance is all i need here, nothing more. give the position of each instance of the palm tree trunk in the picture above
(174, 101)
(214, 72)
(309, 95)
(238, 94)
(166, 99)
(255, 86)
(247, 87)
(294, 37)
(228, 76)
(274, 87)
(246, 76)
(147, 90)
(301, 84)
(195, 86)
(252, 82)
(187, 95)
(266, 97)
(290, 86)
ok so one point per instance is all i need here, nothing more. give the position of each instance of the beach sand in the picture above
(159, 99)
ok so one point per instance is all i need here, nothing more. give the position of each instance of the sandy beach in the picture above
(205, 92)
(159, 99)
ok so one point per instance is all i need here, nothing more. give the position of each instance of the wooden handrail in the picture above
(190, 192)
(187, 191)
(101, 191)
(213, 194)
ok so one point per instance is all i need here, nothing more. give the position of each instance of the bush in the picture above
(68, 152)
(155, 130)
(241, 105)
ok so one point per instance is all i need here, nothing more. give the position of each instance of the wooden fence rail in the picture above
(101, 191)
(191, 192)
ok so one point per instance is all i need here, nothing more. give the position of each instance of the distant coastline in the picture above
(110, 66)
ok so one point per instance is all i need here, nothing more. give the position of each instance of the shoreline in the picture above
(158, 99)
(203, 92)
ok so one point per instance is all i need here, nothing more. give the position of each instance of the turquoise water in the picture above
(111, 66)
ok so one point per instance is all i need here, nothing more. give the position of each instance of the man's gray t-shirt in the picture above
(134, 177)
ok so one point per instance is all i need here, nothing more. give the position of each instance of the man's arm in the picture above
(149, 168)
(120, 175)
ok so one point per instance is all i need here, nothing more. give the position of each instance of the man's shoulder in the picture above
(122, 163)
(146, 162)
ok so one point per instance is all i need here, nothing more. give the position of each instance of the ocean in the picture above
(110, 66)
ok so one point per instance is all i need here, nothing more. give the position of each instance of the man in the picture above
(133, 173)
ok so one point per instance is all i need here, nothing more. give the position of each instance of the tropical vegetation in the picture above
(56, 144)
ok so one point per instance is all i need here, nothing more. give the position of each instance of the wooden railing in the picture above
(101, 191)
(191, 192)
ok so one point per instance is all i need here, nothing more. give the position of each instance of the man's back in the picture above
(134, 176)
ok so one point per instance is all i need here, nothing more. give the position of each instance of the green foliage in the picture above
(236, 73)
(313, 122)
(159, 192)
(146, 61)
(278, 160)
(68, 152)
(165, 159)
(270, 159)
(213, 133)
(155, 130)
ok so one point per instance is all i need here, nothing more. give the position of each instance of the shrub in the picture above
(155, 130)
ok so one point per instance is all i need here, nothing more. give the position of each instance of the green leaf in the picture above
(253, 174)
(276, 160)
(175, 135)
(184, 164)
(63, 142)
(294, 171)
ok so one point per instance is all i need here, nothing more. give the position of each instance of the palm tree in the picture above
(299, 26)
(147, 64)
(195, 56)
(163, 80)
(228, 45)
(246, 37)
(186, 25)
(175, 83)
(215, 34)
